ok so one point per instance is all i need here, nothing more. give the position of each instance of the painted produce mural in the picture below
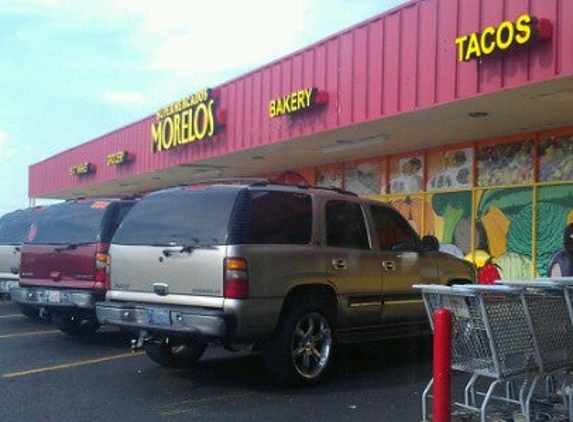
(503, 205)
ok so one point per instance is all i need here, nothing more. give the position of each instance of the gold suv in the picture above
(291, 270)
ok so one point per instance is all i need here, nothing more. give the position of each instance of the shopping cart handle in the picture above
(537, 283)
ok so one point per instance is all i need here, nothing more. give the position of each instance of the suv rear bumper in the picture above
(55, 298)
(200, 322)
(6, 285)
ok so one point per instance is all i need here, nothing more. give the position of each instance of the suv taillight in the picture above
(236, 278)
(101, 270)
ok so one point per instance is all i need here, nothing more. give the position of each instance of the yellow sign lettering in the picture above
(487, 40)
(188, 120)
(523, 27)
(500, 38)
(292, 103)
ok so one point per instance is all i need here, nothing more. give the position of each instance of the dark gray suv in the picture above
(291, 270)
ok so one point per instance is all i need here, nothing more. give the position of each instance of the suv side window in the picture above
(392, 230)
(113, 221)
(345, 225)
(280, 218)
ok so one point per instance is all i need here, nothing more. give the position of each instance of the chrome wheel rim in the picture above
(311, 345)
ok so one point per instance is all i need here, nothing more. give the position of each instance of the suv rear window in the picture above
(74, 222)
(14, 227)
(280, 218)
(179, 217)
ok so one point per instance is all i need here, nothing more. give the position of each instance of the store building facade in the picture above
(459, 112)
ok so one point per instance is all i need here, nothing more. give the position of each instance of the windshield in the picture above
(77, 222)
(179, 217)
(14, 227)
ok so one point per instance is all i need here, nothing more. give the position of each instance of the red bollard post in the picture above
(442, 366)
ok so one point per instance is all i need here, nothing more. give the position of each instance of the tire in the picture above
(175, 354)
(29, 311)
(301, 350)
(74, 325)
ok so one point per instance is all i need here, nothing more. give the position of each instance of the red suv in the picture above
(63, 270)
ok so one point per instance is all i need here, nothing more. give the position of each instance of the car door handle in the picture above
(338, 264)
(389, 265)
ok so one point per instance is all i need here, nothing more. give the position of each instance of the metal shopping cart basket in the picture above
(492, 341)
(547, 303)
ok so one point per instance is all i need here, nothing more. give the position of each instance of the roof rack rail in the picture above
(328, 188)
(262, 181)
(231, 180)
(335, 189)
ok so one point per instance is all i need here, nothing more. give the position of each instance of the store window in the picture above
(407, 175)
(330, 176)
(554, 212)
(452, 213)
(504, 230)
(505, 164)
(556, 159)
(363, 178)
(452, 169)
(345, 225)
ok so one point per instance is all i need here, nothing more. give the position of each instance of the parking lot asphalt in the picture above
(46, 375)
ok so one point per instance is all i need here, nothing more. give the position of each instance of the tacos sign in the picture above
(524, 30)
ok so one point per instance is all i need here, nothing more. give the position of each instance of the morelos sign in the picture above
(297, 101)
(523, 31)
(188, 120)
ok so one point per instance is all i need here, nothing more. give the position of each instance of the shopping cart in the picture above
(547, 303)
(506, 339)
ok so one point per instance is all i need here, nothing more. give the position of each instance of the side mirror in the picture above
(430, 244)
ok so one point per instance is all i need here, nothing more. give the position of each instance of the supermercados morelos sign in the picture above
(297, 101)
(188, 120)
(524, 30)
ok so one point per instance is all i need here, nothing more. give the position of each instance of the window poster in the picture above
(450, 169)
(363, 178)
(407, 175)
(509, 163)
(330, 177)
(556, 159)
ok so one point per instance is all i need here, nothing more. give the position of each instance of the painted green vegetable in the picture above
(558, 194)
(509, 200)
(453, 207)
(551, 219)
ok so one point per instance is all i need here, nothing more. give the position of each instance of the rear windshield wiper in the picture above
(70, 246)
(184, 248)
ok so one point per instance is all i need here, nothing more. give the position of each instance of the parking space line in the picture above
(12, 316)
(70, 365)
(29, 333)
(187, 406)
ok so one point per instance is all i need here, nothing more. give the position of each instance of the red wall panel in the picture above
(393, 63)
(375, 69)
(408, 58)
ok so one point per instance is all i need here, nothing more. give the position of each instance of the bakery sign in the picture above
(188, 120)
(297, 101)
(524, 30)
